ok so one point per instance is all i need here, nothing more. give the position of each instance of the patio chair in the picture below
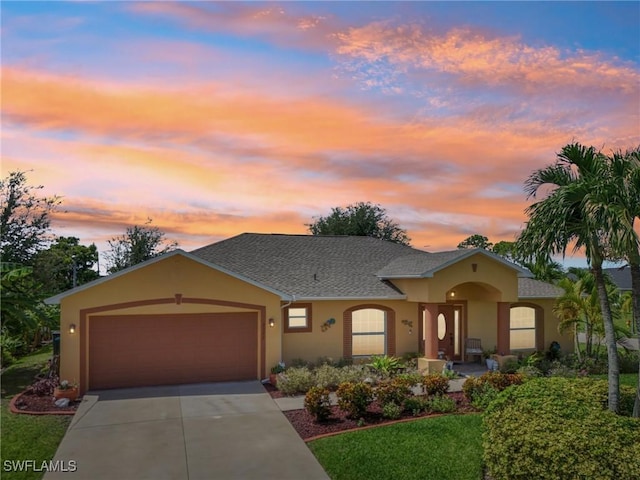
(472, 347)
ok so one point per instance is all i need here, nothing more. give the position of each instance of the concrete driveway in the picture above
(206, 431)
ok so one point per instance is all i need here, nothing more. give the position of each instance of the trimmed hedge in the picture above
(560, 428)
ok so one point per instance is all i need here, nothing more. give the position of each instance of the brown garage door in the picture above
(139, 350)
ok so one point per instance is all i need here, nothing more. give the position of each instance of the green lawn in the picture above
(630, 379)
(27, 437)
(447, 447)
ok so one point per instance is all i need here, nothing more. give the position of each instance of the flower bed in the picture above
(32, 404)
(308, 428)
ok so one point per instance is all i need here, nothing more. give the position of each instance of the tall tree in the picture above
(360, 219)
(65, 264)
(138, 244)
(24, 219)
(617, 206)
(564, 217)
(476, 241)
(23, 313)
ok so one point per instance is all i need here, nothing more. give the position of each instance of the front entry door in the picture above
(446, 333)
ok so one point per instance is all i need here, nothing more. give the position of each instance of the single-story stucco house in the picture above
(233, 309)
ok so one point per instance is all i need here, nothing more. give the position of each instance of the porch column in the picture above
(431, 330)
(504, 327)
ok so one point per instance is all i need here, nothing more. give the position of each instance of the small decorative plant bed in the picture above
(308, 428)
(33, 404)
(40, 398)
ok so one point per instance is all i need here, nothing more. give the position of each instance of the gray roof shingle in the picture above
(310, 266)
(621, 276)
(532, 288)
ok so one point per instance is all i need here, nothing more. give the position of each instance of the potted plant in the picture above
(66, 390)
(275, 370)
(492, 364)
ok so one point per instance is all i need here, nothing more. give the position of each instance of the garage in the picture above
(145, 350)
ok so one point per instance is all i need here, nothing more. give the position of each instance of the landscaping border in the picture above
(14, 409)
(380, 425)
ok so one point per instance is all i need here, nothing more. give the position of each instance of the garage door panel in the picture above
(140, 350)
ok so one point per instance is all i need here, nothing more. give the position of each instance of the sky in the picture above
(218, 118)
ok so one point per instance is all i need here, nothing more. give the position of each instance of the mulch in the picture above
(31, 404)
(308, 429)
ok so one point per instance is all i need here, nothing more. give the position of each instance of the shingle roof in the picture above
(417, 264)
(531, 288)
(309, 266)
(620, 276)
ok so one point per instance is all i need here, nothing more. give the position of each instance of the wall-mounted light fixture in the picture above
(72, 328)
(452, 294)
(272, 322)
(408, 323)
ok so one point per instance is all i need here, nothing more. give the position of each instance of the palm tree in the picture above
(567, 217)
(618, 199)
(569, 309)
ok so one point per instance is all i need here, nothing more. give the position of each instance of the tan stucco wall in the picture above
(500, 283)
(551, 326)
(160, 280)
(491, 280)
(482, 322)
(315, 344)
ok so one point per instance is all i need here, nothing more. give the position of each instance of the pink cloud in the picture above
(475, 58)
(271, 21)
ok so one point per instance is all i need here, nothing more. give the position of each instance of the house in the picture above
(233, 309)
(621, 277)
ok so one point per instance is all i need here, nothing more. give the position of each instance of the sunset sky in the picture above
(217, 118)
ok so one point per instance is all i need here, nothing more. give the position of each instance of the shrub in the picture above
(354, 373)
(483, 396)
(392, 392)
(391, 410)
(385, 365)
(415, 405)
(409, 379)
(559, 428)
(327, 376)
(317, 403)
(528, 371)
(410, 359)
(500, 381)
(482, 390)
(354, 398)
(44, 387)
(628, 362)
(435, 384)
(559, 369)
(295, 380)
(441, 404)
(510, 366)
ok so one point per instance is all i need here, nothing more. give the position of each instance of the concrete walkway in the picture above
(187, 432)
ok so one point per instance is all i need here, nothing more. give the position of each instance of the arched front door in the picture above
(446, 331)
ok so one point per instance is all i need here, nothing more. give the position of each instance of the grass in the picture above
(27, 437)
(630, 379)
(432, 448)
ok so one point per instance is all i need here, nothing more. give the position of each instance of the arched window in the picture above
(523, 328)
(369, 332)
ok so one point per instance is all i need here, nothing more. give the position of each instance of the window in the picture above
(523, 328)
(297, 318)
(369, 332)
